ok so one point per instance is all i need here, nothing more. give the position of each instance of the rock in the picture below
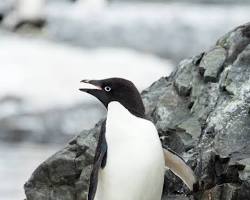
(212, 63)
(203, 116)
(65, 174)
(221, 192)
(175, 197)
(184, 78)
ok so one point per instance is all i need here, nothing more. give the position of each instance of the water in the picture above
(16, 164)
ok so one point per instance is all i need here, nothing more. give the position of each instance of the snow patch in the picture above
(49, 74)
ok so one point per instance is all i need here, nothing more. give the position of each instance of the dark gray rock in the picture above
(175, 197)
(221, 192)
(244, 174)
(66, 174)
(184, 77)
(203, 116)
(212, 63)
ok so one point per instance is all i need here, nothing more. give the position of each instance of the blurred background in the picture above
(48, 46)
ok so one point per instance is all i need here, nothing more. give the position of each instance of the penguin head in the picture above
(116, 89)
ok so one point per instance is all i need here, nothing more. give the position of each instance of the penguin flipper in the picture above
(99, 161)
(179, 167)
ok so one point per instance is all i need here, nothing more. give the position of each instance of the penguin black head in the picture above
(117, 89)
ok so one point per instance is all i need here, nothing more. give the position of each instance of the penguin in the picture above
(129, 161)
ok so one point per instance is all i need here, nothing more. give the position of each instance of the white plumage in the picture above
(135, 161)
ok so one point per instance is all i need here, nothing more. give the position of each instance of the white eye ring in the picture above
(107, 88)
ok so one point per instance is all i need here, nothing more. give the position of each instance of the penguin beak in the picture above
(90, 85)
(94, 87)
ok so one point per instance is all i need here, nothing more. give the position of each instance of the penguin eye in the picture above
(107, 88)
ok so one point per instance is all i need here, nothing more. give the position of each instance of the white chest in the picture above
(123, 127)
(135, 163)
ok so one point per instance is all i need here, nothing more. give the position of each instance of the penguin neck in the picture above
(117, 110)
(137, 111)
(119, 123)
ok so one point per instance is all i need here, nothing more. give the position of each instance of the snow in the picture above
(48, 74)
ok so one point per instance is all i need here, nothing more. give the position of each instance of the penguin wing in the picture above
(179, 167)
(99, 161)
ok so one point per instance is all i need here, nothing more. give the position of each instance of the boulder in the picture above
(202, 111)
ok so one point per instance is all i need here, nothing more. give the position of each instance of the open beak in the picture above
(89, 85)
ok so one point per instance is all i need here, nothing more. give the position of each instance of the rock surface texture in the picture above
(202, 111)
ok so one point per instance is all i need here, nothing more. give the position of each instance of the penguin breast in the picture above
(135, 161)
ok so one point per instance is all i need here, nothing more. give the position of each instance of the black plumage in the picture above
(99, 161)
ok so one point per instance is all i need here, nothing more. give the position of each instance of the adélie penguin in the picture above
(129, 162)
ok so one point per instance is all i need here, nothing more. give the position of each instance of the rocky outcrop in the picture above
(202, 111)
